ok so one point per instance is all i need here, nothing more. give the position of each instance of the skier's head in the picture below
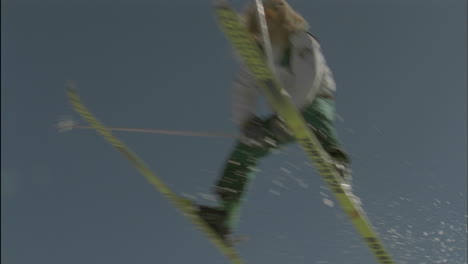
(281, 18)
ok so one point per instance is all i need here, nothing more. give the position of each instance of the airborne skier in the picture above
(299, 64)
(302, 70)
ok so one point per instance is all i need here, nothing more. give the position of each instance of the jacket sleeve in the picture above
(244, 96)
(309, 68)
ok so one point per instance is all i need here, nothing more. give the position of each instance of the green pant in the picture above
(241, 164)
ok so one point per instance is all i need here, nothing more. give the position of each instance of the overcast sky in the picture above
(400, 67)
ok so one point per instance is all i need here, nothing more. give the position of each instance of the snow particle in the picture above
(328, 202)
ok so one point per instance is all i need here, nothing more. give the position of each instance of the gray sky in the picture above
(70, 198)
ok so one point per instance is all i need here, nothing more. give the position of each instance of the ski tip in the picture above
(70, 85)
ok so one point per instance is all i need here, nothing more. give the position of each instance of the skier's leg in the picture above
(240, 170)
(320, 115)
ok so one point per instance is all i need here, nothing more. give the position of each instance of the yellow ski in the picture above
(184, 205)
(280, 101)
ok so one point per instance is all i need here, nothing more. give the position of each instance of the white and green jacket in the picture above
(301, 69)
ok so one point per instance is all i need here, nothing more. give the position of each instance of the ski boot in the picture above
(345, 172)
(341, 161)
(216, 220)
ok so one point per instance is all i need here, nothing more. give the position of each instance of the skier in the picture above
(303, 72)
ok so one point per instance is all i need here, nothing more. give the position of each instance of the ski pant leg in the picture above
(320, 116)
(242, 163)
(240, 170)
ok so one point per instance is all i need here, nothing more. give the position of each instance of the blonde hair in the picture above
(291, 22)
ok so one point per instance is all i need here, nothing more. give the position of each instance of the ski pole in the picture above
(265, 35)
(67, 125)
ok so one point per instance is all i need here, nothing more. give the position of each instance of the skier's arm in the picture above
(244, 96)
(309, 68)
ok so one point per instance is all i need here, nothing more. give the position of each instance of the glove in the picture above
(253, 129)
(279, 129)
(254, 133)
